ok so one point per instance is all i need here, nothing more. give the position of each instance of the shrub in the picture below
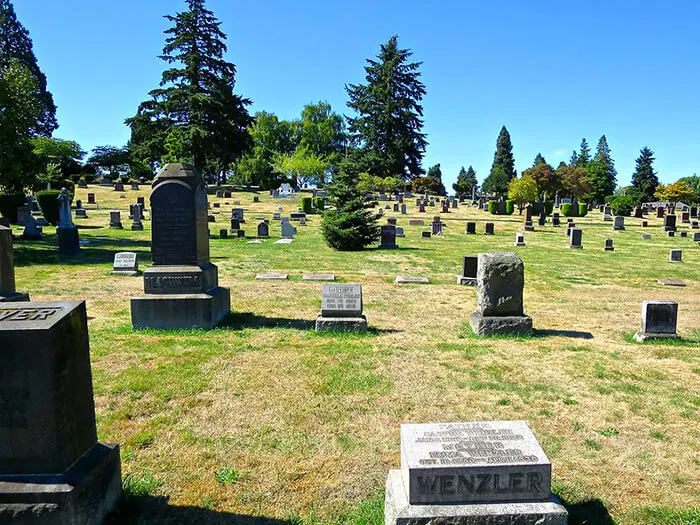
(306, 204)
(566, 209)
(609, 198)
(48, 202)
(548, 207)
(510, 207)
(90, 177)
(9, 202)
(582, 209)
(622, 205)
(493, 207)
(319, 204)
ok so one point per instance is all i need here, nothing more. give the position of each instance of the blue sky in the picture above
(552, 72)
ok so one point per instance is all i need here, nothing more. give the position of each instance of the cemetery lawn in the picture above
(266, 421)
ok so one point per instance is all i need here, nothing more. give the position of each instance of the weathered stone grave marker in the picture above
(659, 320)
(341, 309)
(125, 263)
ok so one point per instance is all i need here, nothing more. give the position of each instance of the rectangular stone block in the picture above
(159, 280)
(450, 463)
(341, 300)
(659, 317)
(181, 311)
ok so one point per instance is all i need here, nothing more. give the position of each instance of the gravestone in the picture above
(645, 224)
(115, 220)
(32, 230)
(659, 212)
(141, 201)
(609, 245)
(256, 199)
(555, 220)
(519, 239)
(341, 309)
(569, 226)
(8, 293)
(318, 277)
(489, 472)
(272, 276)
(671, 233)
(646, 237)
(543, 217)
(425, 235)
(696, 236)
(91, 198)
(137, 225)
(68, 239)
(400, 232)
(235, 226)
(445, 207)
(125, 263)
(288, 231)
(684, 234)
(118, 186)
(217, 205)
(388, 237)
(607, 213)
(685, 217)
(263, 230)
(297, 215)
(396, 207)
(575, 238)
(400, 279)
(675, 256)
(638, 214)
(403, 209)
(670, 223)
(695, 225)
(470, 264)
(488, 228)
(693, 212)
(82, 184)
(237, 213)
(527, 220)
(499, 307)
(391, 220)
(437, 226)
(659, 320)
(227, 194)
(454, 204)
(619, 223)
(220, 194)
(421, 208)
(471, 228)
(182, 287)
(52, 468)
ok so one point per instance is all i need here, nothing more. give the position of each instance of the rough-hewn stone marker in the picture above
(659, 320)
(8, 293)
(499, 304)
(341, 309)
(52, 469)
(182, 287)
(491, 472)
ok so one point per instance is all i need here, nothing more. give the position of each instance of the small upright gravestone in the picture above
(425, 235)
(555, 220)
(68, 240)
(575, 238)
(388, 237)
(670, 223)
(32, 230)
(675, 256)
(81, 213)
(341, 309)
(53, 471)
(137, 225)
(471, 228)
(527, 220)
(519, 239)
(488, 228)
(607, 213)
(470, 265)
(7, 270)
(619, 223)
(659, 212)
(115, 220)
(659, 320)
(182, 287)
(91, 198)
(125, 263)
(288, 231)
(499, 307)
(263, 230)
(437, 226)
(609, 245)
(488, 472)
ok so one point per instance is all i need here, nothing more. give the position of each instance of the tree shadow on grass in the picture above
(574, 334)
(142, 510)
(590, 512)
(99, 251)
(240, 320)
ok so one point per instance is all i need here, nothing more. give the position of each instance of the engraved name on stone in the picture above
(125, 260)
(341, 299)
(164, 282)
(27, 314)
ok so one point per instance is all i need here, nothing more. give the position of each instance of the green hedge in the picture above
(510, 207)
(493, 207)
(48, 202)
(319, 204)
(622, 205)
(9, 202)
(582, 209)
(306, 204)
(566, 209)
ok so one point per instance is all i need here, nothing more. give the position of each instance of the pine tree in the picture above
(466, 181)
(390, 115)
(503, 167)
(194, 114)
(539, 159)
(352, 225)
(573, 161)
(601, 172)
(584, 155)
(644, 178)
(435, 172)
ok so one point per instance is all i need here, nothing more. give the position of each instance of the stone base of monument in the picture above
(500, 325)
(181, 311)
(640, 337)
(16, 297)
(68, 241)
(85, 493)
(398, 511)
(341, 324)
(466, 281)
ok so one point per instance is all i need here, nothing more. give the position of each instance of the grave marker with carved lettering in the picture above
(182, 287)
(341, 309)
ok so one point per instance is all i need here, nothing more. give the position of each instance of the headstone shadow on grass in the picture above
(590, 512)
(155, 509)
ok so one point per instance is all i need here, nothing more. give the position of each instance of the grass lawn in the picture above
(265, 421)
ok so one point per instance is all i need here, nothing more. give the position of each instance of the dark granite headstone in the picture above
(471, 228)
(115, 220)
(527, 219)
(7, 270)
(575, 238)
(488, 228)
(388, 237)
(670, 223)
(263, 229)
(609, 245)
(470, 265)
(659, 320)
(52, 469)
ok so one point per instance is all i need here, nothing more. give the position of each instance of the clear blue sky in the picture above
(552, 72)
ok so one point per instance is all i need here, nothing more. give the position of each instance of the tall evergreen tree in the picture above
(194, 114)
(466, 181)
(539, 159)
(435, 172)
(389, 122)
(644, 178)
(27, 109)
(601, 172)
(584, 155)
(503, 167)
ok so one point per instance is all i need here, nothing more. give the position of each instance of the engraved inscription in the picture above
(27, 314)
(458, 484)
(172, 282)
(340, 298)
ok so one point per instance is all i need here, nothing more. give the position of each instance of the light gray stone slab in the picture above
(667, 282)
(272, 276)
(318, 277)
(489, 461)
(398, 511)
(341, 300)
(341, 324)
(411, 280)
(284, 241)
